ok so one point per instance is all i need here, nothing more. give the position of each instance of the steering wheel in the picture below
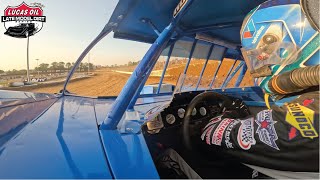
(205, 96)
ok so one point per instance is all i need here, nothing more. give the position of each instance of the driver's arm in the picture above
(282, 138)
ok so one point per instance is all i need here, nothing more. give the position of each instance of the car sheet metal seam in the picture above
(100, 139)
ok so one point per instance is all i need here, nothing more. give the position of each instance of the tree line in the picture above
(53, 67)
(130, 63)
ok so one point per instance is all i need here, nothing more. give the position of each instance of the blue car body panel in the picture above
(128, 155)
(60, 136)
(62, 143)
(203, 13)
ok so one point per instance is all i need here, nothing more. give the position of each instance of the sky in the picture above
(71, 25)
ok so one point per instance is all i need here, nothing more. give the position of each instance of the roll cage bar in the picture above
(167, 38)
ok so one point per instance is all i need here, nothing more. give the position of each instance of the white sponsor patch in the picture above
(228, 132)
(258, 34)
(266, 131)
(213, 121)
(179, 7)
(208, 134)
(218, 133)
(245, 134)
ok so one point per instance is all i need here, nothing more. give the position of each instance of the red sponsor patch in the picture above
(293, 133)
(307, 102)
(247, 34)
(218, 133)
(23, 10)
(208, 134)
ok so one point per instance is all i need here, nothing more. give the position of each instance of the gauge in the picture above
(170, 118)
(203, 111)
(181, 112)
(156, 123)
(194, 112)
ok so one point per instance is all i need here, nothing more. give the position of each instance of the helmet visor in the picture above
(269, 54)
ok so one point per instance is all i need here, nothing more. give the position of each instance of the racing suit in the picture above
(283, 139)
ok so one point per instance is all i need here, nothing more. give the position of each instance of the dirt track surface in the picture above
(106, 82)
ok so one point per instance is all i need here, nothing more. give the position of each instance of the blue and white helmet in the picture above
(279, 36)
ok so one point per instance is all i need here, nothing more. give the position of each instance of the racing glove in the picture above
(237, 109)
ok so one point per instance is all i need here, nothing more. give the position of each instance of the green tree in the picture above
(68, 65)
(61, 66)
(91, 66)
(1, 71)
(54, 66)
(43, 67)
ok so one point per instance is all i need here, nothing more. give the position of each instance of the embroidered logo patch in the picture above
(227, 134)
(292, 134)
(245, 134)
(213, 121)
(249, 30)
(301, 118)
(266, 131)
(307, 102)
(218, 133)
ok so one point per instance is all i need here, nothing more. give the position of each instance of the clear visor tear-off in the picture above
(272, 54)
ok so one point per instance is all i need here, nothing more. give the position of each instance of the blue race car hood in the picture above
(51, 138)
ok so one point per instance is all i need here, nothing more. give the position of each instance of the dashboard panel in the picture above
(173, 115)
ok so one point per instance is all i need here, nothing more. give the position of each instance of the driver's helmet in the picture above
(279, 36)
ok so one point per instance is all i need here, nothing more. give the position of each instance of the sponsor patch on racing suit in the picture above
(267, 133)
(282, 138)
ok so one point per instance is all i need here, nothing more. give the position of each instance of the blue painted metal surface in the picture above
(22, 97)
(233, 73)
(135, 80)
(103, 106)
(15, 115)
(241, 75)
(146, 64)
(62, 143)
(160, 12)
(149, 22)
(129, 155)
(228, 74)
(138, 91)
(252, 96)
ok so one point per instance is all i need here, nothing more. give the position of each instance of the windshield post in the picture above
(106, 30)
(220, 62)
(233, 73)
(140, 73)
(227, 77)
(165, 68)
(241, 75)
(148, 61)
(189, 60)
(137, 94)
(205, 65)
